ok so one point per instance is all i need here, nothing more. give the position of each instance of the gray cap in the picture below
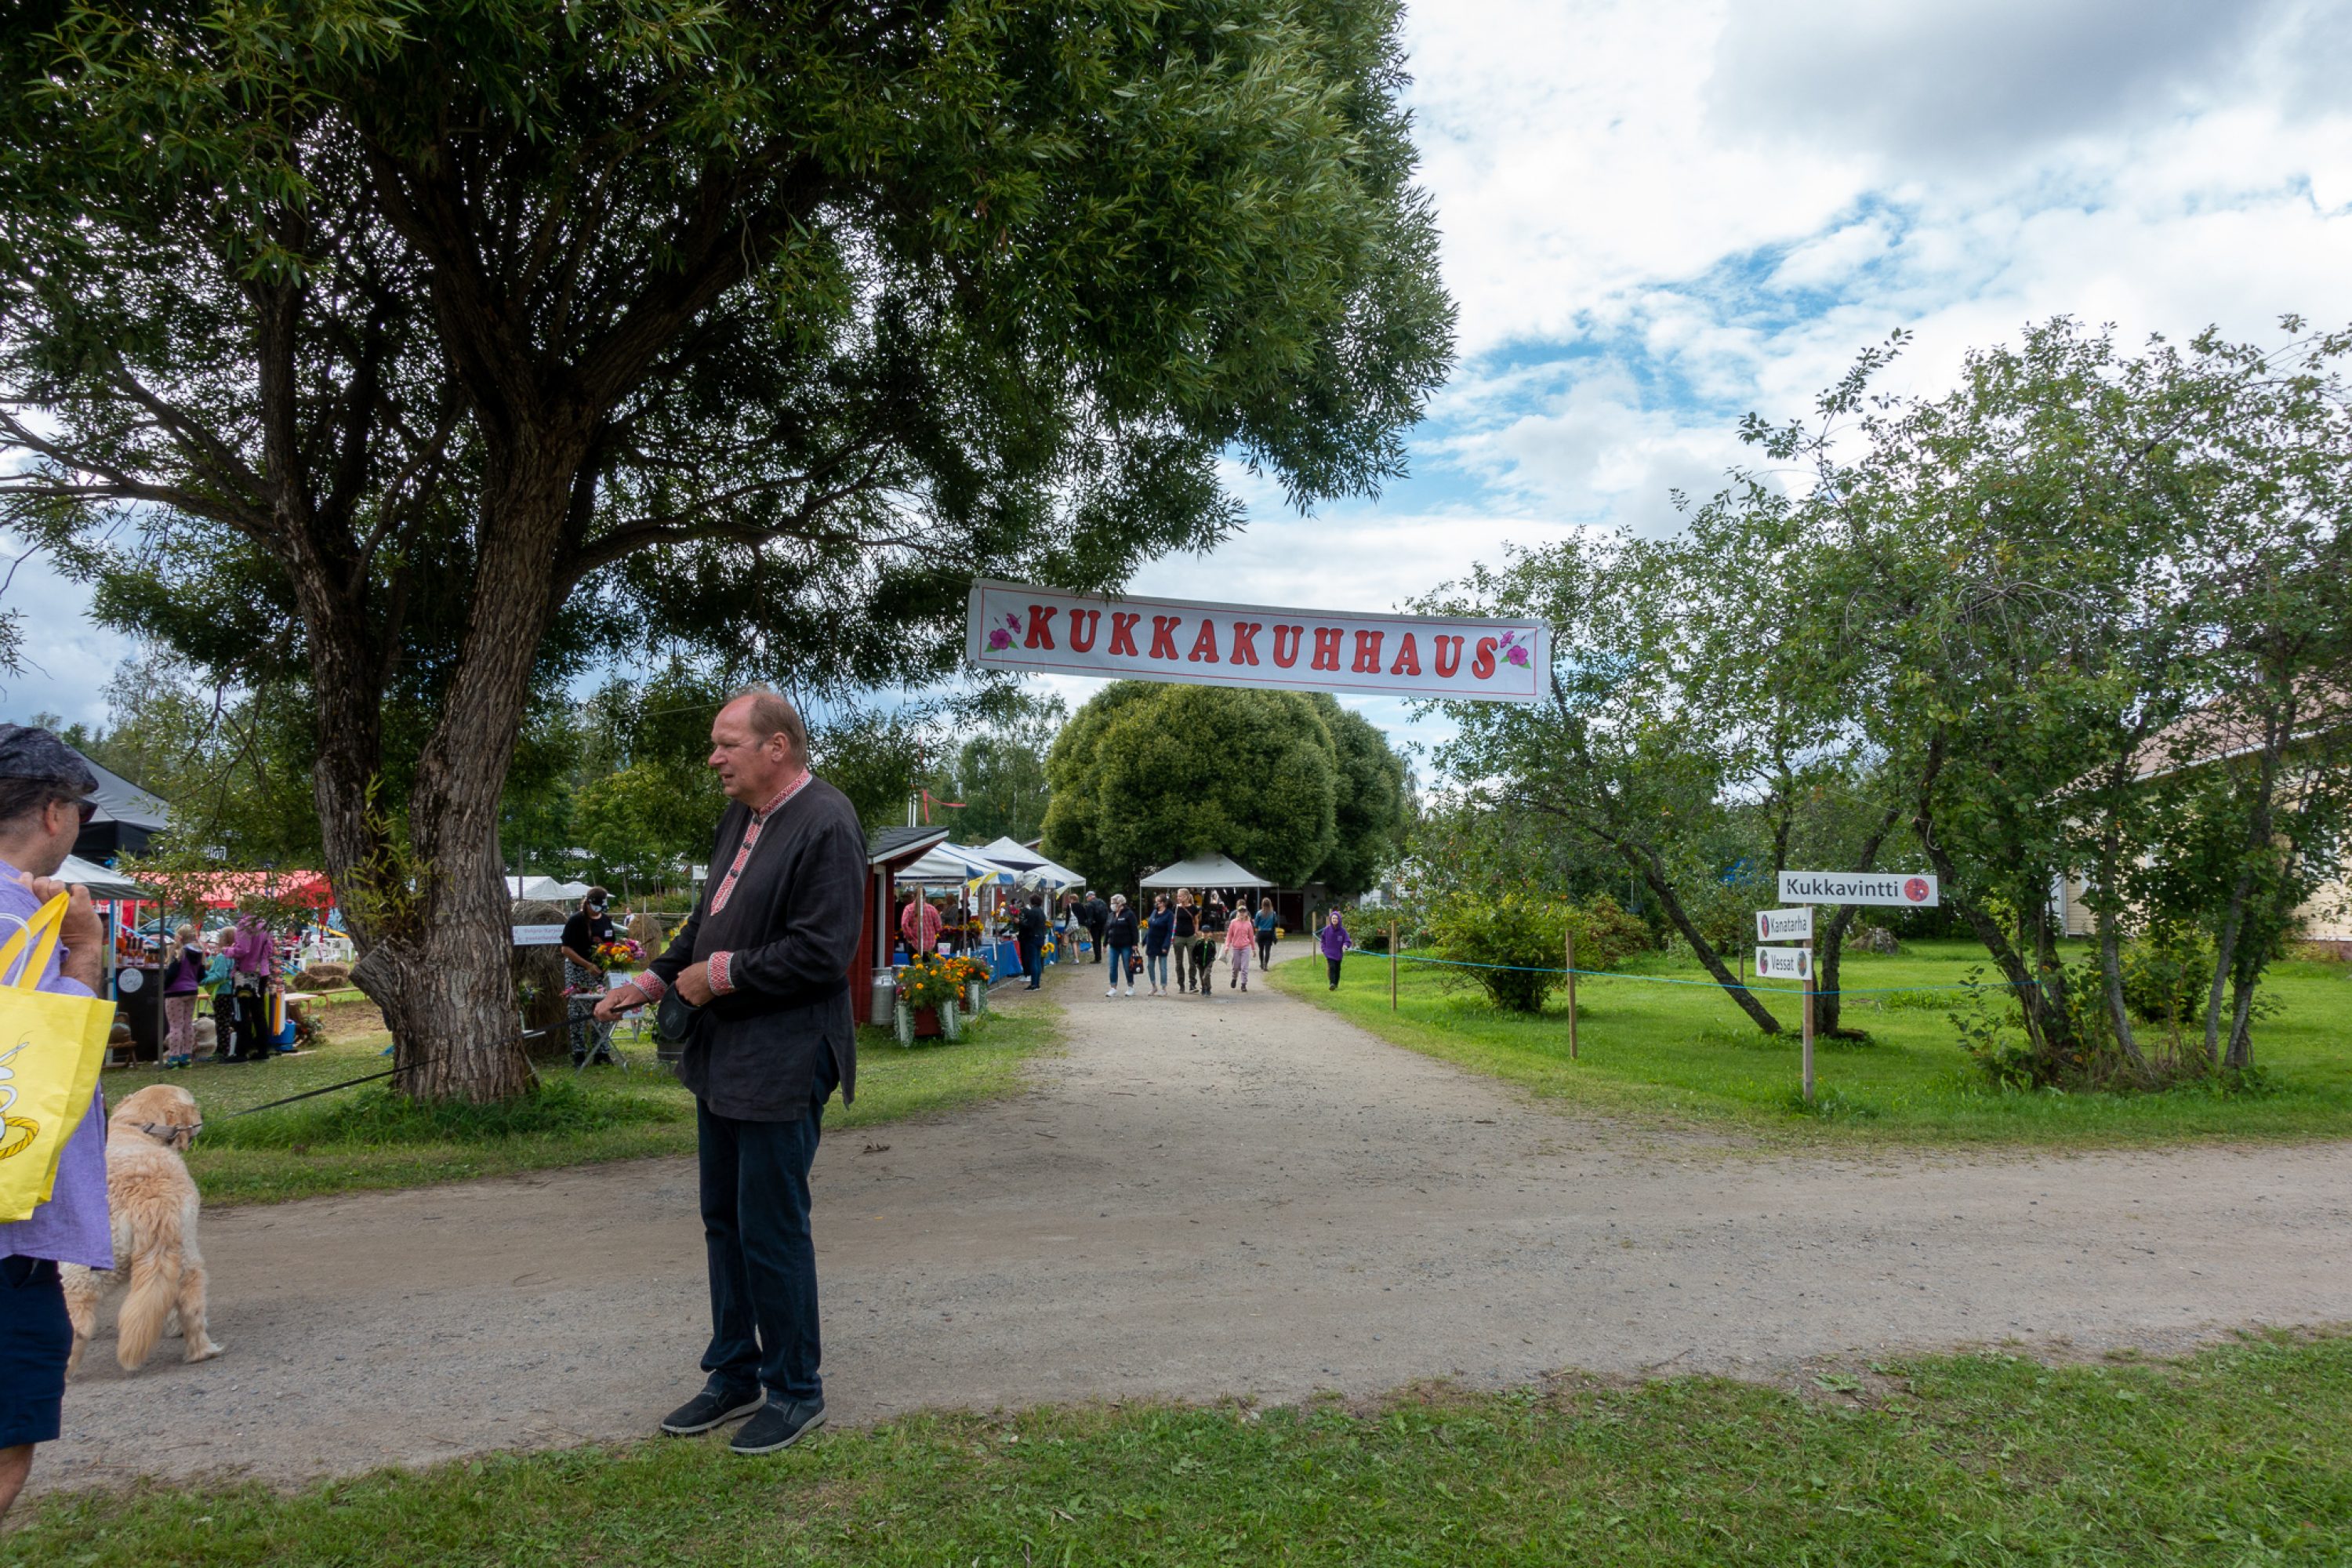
(28, 752)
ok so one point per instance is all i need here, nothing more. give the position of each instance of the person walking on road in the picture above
(1241, 941)
(1096, 916)
(1119, 941)
(1265, 924)
(1032, 939)
(1159, 934)
(1334, 942)
(763, 963)
(1187, 923)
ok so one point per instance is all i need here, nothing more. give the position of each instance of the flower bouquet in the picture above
(619, 959)
(929, 990)
(971, 977)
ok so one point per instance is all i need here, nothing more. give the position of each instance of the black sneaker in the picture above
(779, 1424)
(714, 1407)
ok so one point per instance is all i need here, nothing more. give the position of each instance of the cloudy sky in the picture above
(1663, 214)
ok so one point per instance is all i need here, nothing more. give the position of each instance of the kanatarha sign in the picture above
(1455, 659)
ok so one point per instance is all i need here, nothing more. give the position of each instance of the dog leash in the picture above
(388, 1072)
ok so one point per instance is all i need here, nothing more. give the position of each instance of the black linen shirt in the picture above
(789, 928)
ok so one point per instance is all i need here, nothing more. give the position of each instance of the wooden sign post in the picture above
(1392, 941)
(1571, 993)
(1809, 1020)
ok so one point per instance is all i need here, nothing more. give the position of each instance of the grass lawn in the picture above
(1685, 1053)
(361, 1138)
(2241, 1453)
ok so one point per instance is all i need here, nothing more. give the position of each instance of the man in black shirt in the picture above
(1097, 920)
(1032, 939)
(764, 961)
(583, 977)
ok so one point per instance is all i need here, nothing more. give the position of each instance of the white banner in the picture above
(1460, 660)
(539, 936)
(1886, 890)
(1784, 964)
(1785, 925)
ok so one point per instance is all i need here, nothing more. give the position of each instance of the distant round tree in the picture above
(1143, 775)
(1370, 808)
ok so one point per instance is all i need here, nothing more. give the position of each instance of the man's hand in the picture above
(80, 935)
(615, 1003)
(694, 984)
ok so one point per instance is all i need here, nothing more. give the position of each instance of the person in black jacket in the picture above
(1119, 938)
(1096, 916)
(1032, 939)
(764, 962)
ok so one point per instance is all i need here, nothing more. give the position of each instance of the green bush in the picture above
(1518, 940)
(1606, 936)
(2167, 973)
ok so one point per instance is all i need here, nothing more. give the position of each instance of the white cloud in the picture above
(69, 657)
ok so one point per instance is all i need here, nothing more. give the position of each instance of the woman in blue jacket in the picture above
(1158, 935)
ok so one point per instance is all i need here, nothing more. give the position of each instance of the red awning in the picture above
(223, 889)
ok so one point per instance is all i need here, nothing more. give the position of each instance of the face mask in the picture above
(595, 909)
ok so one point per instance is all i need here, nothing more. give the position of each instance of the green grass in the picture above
(365, 1138)
(2242, 1454)
(1685, 1053)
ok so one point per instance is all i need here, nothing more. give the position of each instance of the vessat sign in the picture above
(1890, 890)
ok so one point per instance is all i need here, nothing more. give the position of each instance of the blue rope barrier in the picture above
(1710, 984)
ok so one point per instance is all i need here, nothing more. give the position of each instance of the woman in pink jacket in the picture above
(1241, 941)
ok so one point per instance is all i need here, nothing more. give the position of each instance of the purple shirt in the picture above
(1333, 939)
(252, 950)
(72, 1227)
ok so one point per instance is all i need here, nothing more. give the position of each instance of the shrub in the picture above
(1518, 940)
(2168, 972)
(1606, 936)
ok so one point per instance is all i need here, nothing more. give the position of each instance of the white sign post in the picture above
(1784, 964)
(1880, 890)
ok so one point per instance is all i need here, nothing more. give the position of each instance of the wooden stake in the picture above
(1808, 951)
(1392, 938)
(1571, 993)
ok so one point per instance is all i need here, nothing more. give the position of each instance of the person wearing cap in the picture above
(43, 784)
(584, 977)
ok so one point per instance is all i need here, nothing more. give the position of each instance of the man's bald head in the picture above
(758, 745)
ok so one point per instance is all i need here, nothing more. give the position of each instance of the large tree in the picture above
(473, 337)
(1145, 774)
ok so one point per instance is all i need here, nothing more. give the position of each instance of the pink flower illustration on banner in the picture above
(1514, 651)
(1000, 638)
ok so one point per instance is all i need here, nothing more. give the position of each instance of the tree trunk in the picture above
(430, 917)
(2048, 1029)
(2111, 965)
(1828, 1008)
(1647, 866)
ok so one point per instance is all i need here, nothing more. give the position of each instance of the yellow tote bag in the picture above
(51, 1048)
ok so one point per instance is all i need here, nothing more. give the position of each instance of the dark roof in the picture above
(119, 800)
(895, 845)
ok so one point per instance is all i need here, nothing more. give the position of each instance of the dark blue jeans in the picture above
(1032, 961)
(762, 1260)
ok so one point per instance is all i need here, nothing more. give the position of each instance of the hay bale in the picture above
(539, 971)
(648, 932)
(325, 977)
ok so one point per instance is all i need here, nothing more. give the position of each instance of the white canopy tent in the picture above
(1028, 863)
(546, 889)
(945, 864)
(101, 882)
(1206, 871)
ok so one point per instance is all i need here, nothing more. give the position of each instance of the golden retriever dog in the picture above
(154, 1204)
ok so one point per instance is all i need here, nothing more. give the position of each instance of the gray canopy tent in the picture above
(1206, 871)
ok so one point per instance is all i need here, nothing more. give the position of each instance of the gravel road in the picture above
(1241, 1195)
